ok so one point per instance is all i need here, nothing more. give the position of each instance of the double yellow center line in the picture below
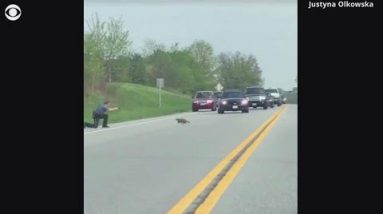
(203, 197)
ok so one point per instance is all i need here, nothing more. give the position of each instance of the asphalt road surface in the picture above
(147, 166)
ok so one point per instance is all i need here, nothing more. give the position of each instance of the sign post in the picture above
(160, 85)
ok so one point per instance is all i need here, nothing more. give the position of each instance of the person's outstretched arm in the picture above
(113, 109)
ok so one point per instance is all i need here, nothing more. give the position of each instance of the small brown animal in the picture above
(182, 120)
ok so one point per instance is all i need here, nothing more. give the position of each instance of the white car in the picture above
(277, 96)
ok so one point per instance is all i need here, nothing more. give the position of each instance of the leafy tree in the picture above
(121, 67)
(107, 58)
(203, 54)
(239, 71)
(150, 46)
(93, 65)
(137, 69)
(111, 40)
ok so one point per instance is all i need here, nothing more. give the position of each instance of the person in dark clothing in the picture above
(101, 112)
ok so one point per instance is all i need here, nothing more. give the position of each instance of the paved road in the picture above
(146, 166)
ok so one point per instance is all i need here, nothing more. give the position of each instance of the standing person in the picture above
(101, 112)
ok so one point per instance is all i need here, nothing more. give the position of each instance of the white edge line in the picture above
(124, 126)
(137, 124)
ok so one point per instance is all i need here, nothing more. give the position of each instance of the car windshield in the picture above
(233, 94)
(255, 91)
(203, 95)
(272, 91)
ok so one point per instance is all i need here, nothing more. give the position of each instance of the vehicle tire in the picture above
(195, 109)
(265, 107)
(245, 111)
(279, 104)
(220, 111)
(214, 109)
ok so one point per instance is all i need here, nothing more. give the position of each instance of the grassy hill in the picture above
(136, 102)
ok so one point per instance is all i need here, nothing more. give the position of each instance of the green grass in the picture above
(136, 102)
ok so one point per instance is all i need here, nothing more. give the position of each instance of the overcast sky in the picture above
(266, 29)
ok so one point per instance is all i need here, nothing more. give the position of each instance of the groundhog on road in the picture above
(182, 120)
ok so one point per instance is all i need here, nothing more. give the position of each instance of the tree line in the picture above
(108, 57)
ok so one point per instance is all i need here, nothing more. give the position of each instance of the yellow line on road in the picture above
(214, 196)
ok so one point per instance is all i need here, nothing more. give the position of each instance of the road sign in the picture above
(160, 82)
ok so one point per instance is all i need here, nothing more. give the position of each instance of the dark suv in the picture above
(233, 100)
(204, 100)
(258, 98)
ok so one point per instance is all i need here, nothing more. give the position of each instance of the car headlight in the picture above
(244, 102)
(224, 102)
(262, 97)
(209, 101)
(195, 101)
